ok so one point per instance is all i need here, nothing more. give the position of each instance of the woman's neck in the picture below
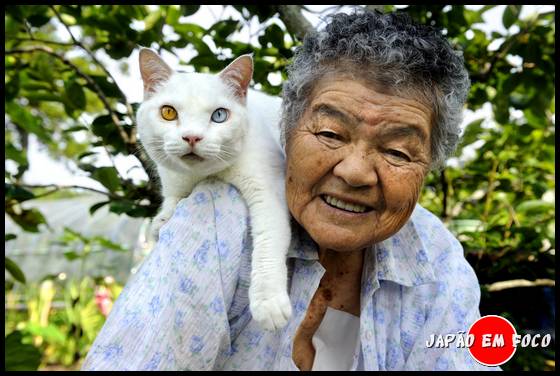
(341, 283)
(341, 263)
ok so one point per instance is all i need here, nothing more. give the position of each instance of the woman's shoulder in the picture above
(443, 249)
(217, 193)
(431, 229)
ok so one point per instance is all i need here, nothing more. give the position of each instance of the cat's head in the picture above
(193, 122)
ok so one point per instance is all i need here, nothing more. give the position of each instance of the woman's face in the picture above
(356, 163)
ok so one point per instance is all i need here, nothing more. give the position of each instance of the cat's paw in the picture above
(158, 221)
(273, 312)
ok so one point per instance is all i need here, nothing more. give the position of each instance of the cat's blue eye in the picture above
(220, 115)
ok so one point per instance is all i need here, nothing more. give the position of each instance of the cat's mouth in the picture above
(191, 157)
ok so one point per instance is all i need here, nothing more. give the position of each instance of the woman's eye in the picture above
(168, 113)
(220, 115)
(329, 134)
(398, 154)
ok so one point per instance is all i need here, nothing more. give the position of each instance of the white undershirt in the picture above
(335, 341)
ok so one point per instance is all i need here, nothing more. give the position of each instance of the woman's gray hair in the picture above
(399, 56)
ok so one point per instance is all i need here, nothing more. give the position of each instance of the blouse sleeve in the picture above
(173, 313)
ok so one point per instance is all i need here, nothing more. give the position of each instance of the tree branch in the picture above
(445, 190)
(92, 55)
(61, 187)
(33, 39)
(514, 283)
(132, 147)
(88, 79)
(500, 53)
(132, 141)
(295, 22)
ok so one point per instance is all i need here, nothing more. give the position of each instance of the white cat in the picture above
(195, 125)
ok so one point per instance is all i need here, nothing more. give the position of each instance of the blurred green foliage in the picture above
(59, 318)
(499, 202)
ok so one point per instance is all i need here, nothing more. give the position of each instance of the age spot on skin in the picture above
(327, 294)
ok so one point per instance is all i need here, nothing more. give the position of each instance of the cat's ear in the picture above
(154, 71)
(238, 75)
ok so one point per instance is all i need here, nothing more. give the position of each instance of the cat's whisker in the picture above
(220, 159)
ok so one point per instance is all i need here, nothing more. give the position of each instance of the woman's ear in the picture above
(238, 75)
(154, 71)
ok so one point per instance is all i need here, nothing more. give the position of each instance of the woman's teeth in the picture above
(344, 205)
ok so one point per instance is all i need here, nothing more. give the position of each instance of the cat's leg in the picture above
(270, 228)
(167, 209)
(174, 187)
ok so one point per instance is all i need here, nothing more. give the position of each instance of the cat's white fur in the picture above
(244, 150)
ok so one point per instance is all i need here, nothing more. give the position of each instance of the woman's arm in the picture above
(173, 313)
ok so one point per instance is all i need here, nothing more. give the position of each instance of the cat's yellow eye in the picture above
(168, 113)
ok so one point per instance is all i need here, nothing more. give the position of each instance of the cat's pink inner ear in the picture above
(238, 75)
(154, 71)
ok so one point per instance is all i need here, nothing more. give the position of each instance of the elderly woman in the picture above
(371, 104)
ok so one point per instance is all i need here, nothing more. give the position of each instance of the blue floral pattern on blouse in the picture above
(187, 306)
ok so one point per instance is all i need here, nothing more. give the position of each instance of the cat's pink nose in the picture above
(192, 139)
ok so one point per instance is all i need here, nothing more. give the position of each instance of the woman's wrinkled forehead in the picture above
(358, 95)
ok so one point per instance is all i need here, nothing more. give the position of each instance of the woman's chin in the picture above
(339, 240)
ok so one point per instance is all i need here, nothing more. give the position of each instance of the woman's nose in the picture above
(357, 170)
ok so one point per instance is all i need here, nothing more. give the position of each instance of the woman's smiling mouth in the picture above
(343, 205)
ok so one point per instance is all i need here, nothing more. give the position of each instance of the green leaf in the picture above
(275, 35)
(128, 207)
(8, 237)
(50, 333)
(86, 154)
(472, 16)
(14, 270)
(459, 226)
(173, 15)
(44, 65)
(71, 255)
(471, 133)
(97, 206)
(109, 177)
(38, 20)
(209, 61)
(109, 244)
(104, 127)
(29, 220)
(76, 128)
(25, 120)
(189, 30)
(223, 28)
(16, 155)
(188, 10)
(17, 193)
(535, 120)
(109, 89)
(511, 14)
(19, 356)
(11, 87)
(75, 94)
(41, 96)
(152, 19)
(485, 8)
(36, 85)
(531, 207)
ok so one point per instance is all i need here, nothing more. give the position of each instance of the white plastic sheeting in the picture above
(38, 257)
